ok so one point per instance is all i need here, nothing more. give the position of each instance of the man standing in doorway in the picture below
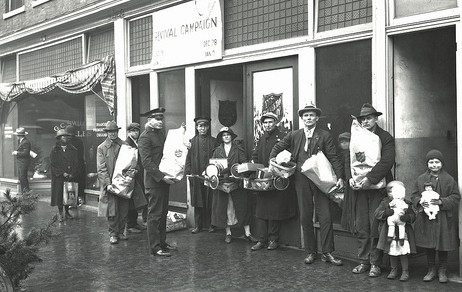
(23, 158)
(304, 143)
(151, 147)
(367, 199)
(138, 199)
(202, 146)
(272, 206)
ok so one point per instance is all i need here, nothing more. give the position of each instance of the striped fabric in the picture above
(77, 81)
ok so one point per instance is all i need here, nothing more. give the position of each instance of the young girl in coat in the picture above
(395, 248)
(438, 235)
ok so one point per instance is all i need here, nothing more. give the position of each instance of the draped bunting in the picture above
(76, 81)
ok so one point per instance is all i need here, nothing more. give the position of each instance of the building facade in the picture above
(233, 60)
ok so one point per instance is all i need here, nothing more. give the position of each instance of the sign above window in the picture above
(188, 33)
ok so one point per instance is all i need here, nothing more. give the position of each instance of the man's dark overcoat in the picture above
(274, 204)
(196, 162)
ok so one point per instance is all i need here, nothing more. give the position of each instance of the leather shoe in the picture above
(141, 227)
(211, 229)
(257, 246)
(430, 275)
(375, 271)
(404, 276)
(195, 230)
(170, 247)
(69, 216)
(393, 274)
(309, 258)
(123, 237)
(228, 238)
(251, 238)
(329, 258)
(133, 230)
(113, 240)
(361, 268)
(162, 253)
(273, 245)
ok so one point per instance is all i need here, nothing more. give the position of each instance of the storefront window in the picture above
(343, 84)
(42, 116)
(172, 97)
(414, 7)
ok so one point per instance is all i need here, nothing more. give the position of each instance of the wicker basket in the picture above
(282, 171)
(259, 184)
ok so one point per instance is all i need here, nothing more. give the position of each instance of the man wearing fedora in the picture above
(138, 200)
(271, 206)
(113, 207)
(304, 143)
(367, 200)
(151, 147)
(197, 159)
(23, 157)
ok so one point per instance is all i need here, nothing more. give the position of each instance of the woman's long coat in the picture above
(62, 162)
(440, 233)
(274, 204)
(240, 197)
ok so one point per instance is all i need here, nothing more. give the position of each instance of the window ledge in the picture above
(36, 3)
(14, 12)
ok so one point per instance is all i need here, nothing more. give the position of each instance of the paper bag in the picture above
(123, 180)
(70, 191)
(174, 156)
(319, 170)
(368, 143)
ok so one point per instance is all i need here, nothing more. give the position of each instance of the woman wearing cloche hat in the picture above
(240, 207)
(64, 160)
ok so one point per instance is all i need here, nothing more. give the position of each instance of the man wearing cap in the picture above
(367, 199)
(64, 167)
(138, 199)
(117, 207)
(23, 157)
(202, 146)
(304, 143)
(77, 142)
(271, 206)
(151, 147)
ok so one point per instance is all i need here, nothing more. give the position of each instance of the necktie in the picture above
(307, 142)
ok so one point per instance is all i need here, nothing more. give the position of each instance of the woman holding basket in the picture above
(230, 209)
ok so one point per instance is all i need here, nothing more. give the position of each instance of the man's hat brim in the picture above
(309, 108)
(157, 112)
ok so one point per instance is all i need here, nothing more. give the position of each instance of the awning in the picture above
(76, 81)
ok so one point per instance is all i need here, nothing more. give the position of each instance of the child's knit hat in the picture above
(434, 154)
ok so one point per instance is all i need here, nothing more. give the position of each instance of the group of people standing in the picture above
(365, 208)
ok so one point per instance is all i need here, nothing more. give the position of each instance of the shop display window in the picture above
(43, 115)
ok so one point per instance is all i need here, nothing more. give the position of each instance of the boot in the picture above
(430, 275)
(404, 276)
(442, 275)
(393, 274)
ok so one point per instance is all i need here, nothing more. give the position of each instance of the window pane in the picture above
(334, 14)
(413, 7)
(141, 41)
